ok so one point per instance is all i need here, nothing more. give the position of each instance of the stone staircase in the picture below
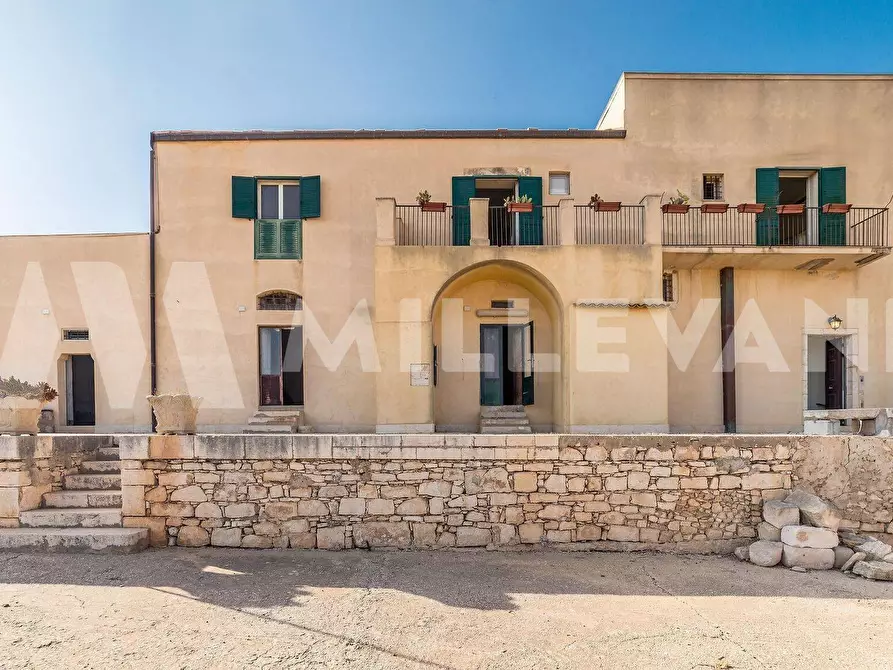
(504, 419)
(83, 517)
(276, 420)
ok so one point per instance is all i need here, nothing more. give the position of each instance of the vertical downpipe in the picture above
(727, 317)
(153, 353)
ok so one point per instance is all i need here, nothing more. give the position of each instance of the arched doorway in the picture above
(497, 333)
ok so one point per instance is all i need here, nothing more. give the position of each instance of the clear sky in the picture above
(83, 82)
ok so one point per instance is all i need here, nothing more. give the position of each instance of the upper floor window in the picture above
(559, 183)
(713, 187)
(280, 201)
(280, 300)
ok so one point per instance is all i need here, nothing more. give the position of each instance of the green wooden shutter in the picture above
(463, 191)
(290, 239)
(244, 194)
(266, 238)
(527, 384)
(767, 193)
(832, 189)
(531, 225)
(310, 197)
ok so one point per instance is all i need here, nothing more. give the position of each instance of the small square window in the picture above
(559, 183)
(713, 187)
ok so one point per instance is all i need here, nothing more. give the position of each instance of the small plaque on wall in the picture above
(420, 374)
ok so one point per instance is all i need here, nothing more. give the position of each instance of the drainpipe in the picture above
(727, 320)
(153, 352)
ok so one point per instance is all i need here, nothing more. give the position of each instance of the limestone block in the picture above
(222, 447)
(312, 508)
(596, 454)
(193, 536)
(268, 447)
(281, 511)
(500, 499)
(766, 531)
(693, 483)
(765, 553)
(207, 510)
(156, 527)
(615, 483)
(437, 488)
(256, 542)
(171, 509)
(814, 510)
(379, 506)
(554, 512)
(623, 533)
(729, 482)
(659, 454)
(352, 507)
(192, 493)
(382, 534)
(15, 478)
(805, 557)
(487, 481)
(133, 501)
(395, 492)
(468, 536)
(413, 507)
(638, 480)
(332, 491)
(524, 482)
(506, 534)
(842, 555)
(644, 499)
(168, 479)
(668, 483)
(742, 553)
(531, 533)
(424, 535)
(875, 549)
(133, 447)
(171, 446)
(240, 511)
(331, 538)
(138, 478)
(809, 536)
(851, 561)
(589, 533)
(780, 513)
(302, 540)
(157, 494)
(763, 480)
(880, 570)
(556, 484)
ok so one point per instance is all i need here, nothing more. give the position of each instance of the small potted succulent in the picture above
(600, 205)
(522, 203)
(678, 204)
(751, 208)
(21, 404)
(836, 208)
(424, 200)
(790, 209)
(175, 413)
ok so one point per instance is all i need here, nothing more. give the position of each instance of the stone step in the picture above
(506, 421)
(68, 499)
(71, 517)
(100, 467)
(505, 430)
(108, 453)
(270, 428)
(92, 482)
(502, 412)
(106, 540)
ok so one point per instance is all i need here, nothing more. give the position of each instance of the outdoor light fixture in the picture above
(242, 308)
(45, 312)
(835, 322)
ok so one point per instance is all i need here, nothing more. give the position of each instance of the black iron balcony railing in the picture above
(419, 228)
(511, 229)
(452, 226)
(623, 225)
(782, 226)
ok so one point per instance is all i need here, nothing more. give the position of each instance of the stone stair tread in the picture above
(270, 428)
(107, 466)
(72, 517)
(124, 540)
(506, 421)
(505, 430)
(107, 454)
(80, 499)
(92, 482)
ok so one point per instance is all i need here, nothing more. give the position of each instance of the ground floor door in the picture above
(507, 364)
(80, 391)
(281, 366)
(835, 375)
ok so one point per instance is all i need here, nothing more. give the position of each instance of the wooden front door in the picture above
(835, 375)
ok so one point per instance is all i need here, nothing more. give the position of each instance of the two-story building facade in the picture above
(294, 272)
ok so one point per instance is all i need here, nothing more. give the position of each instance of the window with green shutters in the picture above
(277, 239)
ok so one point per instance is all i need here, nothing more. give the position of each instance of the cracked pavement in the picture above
(215, 608)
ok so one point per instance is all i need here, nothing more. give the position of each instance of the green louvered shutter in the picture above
(463, 191)
(310, 198)
(290, 239)
(767, 193)
(244, 194)
(266, 238)
(531, 225)
(832, 190)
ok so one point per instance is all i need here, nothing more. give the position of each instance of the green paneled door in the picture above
(767, 193)
(463, 191)
(832, 189)
(531, 225)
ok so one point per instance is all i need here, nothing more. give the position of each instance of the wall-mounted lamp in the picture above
(45, 312)
(835, 322)
(242, 308)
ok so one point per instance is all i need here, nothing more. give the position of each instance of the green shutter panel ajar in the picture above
(832, 190)
(531, 225)
(290, 239)
(767, 193)
(244, 196)
(463, 191)
(266, 238)
(311, 193)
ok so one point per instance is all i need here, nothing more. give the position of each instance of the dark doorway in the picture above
(835, 375)
(507, 364)
(80, 391)
(501, 224)
(281, 366)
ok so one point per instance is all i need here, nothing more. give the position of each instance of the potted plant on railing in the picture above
(424, 200)
(175, 413)
(790, 209)
(21, 404)
(600, 205)
(751, 208)
(714, 208)
(836, 208)
(522, 204)
(678, 204)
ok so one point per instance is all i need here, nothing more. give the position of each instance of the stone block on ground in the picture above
(880, 570)
(330, 538)
(855, 558)
(382, 534)
(765, 553)
(807, 557)
(814, 510)
(766, 531)
(742, 553)
(809, 536)
(875, 549)
(226, 537)
(780, 513)
(842, 555)
(467, 536)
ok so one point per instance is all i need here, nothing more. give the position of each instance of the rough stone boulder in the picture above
(880, 570)
(766, 531)
(807, 558)
(382, 534)
(809, 537)
(780, 513)
(842, 555)
(814, 510)
(875, 549)
(765, 554)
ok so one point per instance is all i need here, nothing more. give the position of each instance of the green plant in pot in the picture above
(21, 403)
(599, 205)
(522, 203)
(678, 204)
(424, 200)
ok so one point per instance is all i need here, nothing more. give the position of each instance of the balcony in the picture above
(775, 239)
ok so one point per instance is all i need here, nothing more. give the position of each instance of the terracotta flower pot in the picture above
(523, 207)
(606, 206)
(675, 209)
(751, 208)
(790, 209)
(19, 416)
(714, 208)
(836, 208)
(433, 206)
(175, 413)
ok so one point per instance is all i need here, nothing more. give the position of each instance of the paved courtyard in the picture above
(445, 610)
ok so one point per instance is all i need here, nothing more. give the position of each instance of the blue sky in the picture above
(82, 83)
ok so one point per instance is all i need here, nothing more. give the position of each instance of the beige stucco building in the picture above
(294, 273)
